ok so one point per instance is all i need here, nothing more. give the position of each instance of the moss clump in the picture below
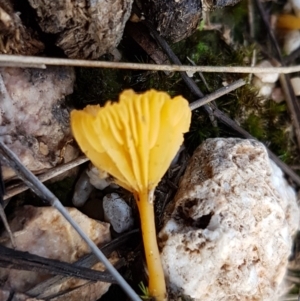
(96, 86)
(255, 126)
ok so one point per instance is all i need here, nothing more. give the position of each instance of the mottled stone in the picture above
(45, 232)
(229, 231)
(117, 213)
(34, 123)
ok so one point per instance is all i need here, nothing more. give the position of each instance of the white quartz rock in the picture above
(83, 189)
(295, 81)
(291, 41)
(100, 179)
(229, 231)
(266, 77)
(264, 89)
(117, 212)
(296, 7)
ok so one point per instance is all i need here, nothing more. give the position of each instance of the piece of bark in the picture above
(15, 38)
(177, 20)
(141, 35)
(86, 29)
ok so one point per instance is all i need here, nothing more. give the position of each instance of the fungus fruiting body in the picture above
(135, 141)
(288, 21)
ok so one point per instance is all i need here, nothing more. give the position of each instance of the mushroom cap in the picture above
(135, 139)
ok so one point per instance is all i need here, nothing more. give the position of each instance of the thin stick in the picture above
(269, 30)
(253, 62)
(251, 18)
(225, 90)
(292, 103)
(16, 189)
(28, 61)
(22, 65)
(291, 57)
(200, 74)
(19, 260)
(42, 191)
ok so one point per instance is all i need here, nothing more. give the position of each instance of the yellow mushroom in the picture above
(135, 141)
(288, 21)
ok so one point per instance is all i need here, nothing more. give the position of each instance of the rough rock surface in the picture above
(45, 232)
(229, 231)
(33, 120)
(86, 28)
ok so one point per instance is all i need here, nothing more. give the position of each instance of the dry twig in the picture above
(58, 170)
(42, 62)
(213, 96)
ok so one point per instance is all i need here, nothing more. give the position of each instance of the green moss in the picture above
(200, 129)
(63, 189)
(255, 126)
(96, 86)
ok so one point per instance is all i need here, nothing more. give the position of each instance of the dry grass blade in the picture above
(19, 260)
(42, 62)
(58, 170)
(213, 96)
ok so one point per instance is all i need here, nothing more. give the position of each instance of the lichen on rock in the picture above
(229, 232)
(33, 120)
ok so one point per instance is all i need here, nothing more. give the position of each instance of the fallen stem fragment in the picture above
(200, 74)
(19, 260)
(2, 212)
(28, 61)
(43, 192)
(58, 170)
(213, 96)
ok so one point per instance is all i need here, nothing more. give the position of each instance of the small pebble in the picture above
(117, 212)
(295, 81)
(296, 7)
(291, 41)
(277, 95)
(83, 189)
(264, 89)
(266, 77)
(99, 180)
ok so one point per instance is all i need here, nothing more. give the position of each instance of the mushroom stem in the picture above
(157, 285)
